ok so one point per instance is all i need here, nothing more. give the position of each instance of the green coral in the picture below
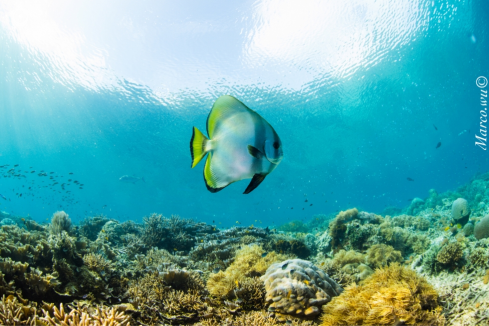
(294, 247)
(294, 226)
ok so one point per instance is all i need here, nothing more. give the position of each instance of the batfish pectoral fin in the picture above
(255, 182)
(255, 152)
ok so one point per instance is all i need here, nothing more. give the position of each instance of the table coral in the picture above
(297, 287)
(391, 296)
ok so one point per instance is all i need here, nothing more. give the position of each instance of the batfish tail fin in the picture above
(198, 144)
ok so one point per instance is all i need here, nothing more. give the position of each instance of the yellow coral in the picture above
(343, 257)
(82, 317)
(248, 263)
(391, 296)
(381, 255)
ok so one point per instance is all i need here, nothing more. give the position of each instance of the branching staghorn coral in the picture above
(103, 316)
(13, 313)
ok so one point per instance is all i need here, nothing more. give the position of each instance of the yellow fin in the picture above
(197, 146)
(224, 107)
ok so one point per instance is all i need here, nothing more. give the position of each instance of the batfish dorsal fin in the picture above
(255, 152)
(255, 182)
(224, 107)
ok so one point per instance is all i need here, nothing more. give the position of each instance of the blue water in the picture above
(353, 88)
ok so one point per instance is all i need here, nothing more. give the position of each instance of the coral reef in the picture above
(294, 226)
(294, 247)
(60, 222)
(14, 313)
(481, 229)
(83, 317)
(393, 295)
(380, 255)
(250, 261)
(178, 271)
(450, 253)
(337, 227)
(297, 287)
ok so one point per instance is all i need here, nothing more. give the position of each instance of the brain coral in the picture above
(481, 229)
(297, 287)
(460, 209)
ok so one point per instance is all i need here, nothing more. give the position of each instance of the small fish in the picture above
(284, 266)
(16, 165)
(3, 197)
(305, 201)
(201, 240)
(216, 270)
(459, 226)
(438, 145)
(447, 228)
(292, 271)
(130, 179)
(289, 293)
(264, 254)
(107, 238)
(310, 205)
(237, 222)
(103, 231)
(288, 322)
(292, 208)
(70, 173)
(237, 283)
(463, 132)
(409, 179)
(242, 145)
(435, 127)
(306, 282)
(175, 249)
(322, 264)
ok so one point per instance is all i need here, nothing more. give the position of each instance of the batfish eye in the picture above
(276, 145)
